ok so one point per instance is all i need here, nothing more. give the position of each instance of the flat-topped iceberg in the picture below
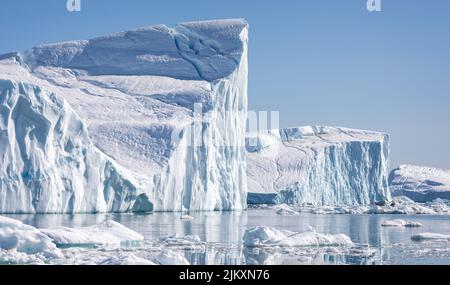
(317, 166)
(148, 119)
(421, 184)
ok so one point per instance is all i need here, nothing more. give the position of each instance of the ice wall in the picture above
(318, 166)
(152, 118)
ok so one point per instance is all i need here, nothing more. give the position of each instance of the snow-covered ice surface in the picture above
(218, 238)
(109, 124)
(23, 242)
(421, 184)
(107, 232)
(317, 166)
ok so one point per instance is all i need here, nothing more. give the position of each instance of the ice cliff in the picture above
(148, 119)
(318, 166)
(420, 184)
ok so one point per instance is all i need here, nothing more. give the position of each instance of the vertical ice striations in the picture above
(113, 123)
(48, 164)
(318, 165)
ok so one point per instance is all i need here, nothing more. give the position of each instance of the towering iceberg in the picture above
(421, 184)
(148, 119)
(318, 166)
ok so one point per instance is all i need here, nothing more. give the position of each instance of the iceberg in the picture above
(420, 184)
(317, 165)
(151, 119)
(264, 236)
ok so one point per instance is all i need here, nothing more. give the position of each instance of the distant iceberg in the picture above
(317, 166)
(420, 184)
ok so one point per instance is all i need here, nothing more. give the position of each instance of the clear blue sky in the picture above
(316, 61)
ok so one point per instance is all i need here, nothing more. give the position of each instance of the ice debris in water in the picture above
(179, 240)
(262, 236)
(400, 223)
(285, 210)
(168, 257)
(398, 205)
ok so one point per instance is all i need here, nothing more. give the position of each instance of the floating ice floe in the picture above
(400, 223)
(17, 239)
(168, 257)
(430, 236)
(186, 217)
(183, 241)
(261, 236)
(107, 232)
(125, 259)
(285, 210)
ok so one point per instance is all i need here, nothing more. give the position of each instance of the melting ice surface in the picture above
(218, 238)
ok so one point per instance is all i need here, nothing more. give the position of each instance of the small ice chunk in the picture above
(430, 236)
(413, 224)
(125, 259)
(178, 240)
(285, 210)
(400, 223)
(261, 236)
(107, 232)
(169, 257)
(186, 217)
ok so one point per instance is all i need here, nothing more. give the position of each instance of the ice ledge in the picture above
(206, 50)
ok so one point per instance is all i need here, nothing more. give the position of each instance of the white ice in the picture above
(17, 239)
(318, 166)
(430, 237)
(400, 223)
(264, 236)
(107, 232)
(421, 184)
(107, 124)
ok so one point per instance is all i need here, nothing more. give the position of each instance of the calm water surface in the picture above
(223, 232)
